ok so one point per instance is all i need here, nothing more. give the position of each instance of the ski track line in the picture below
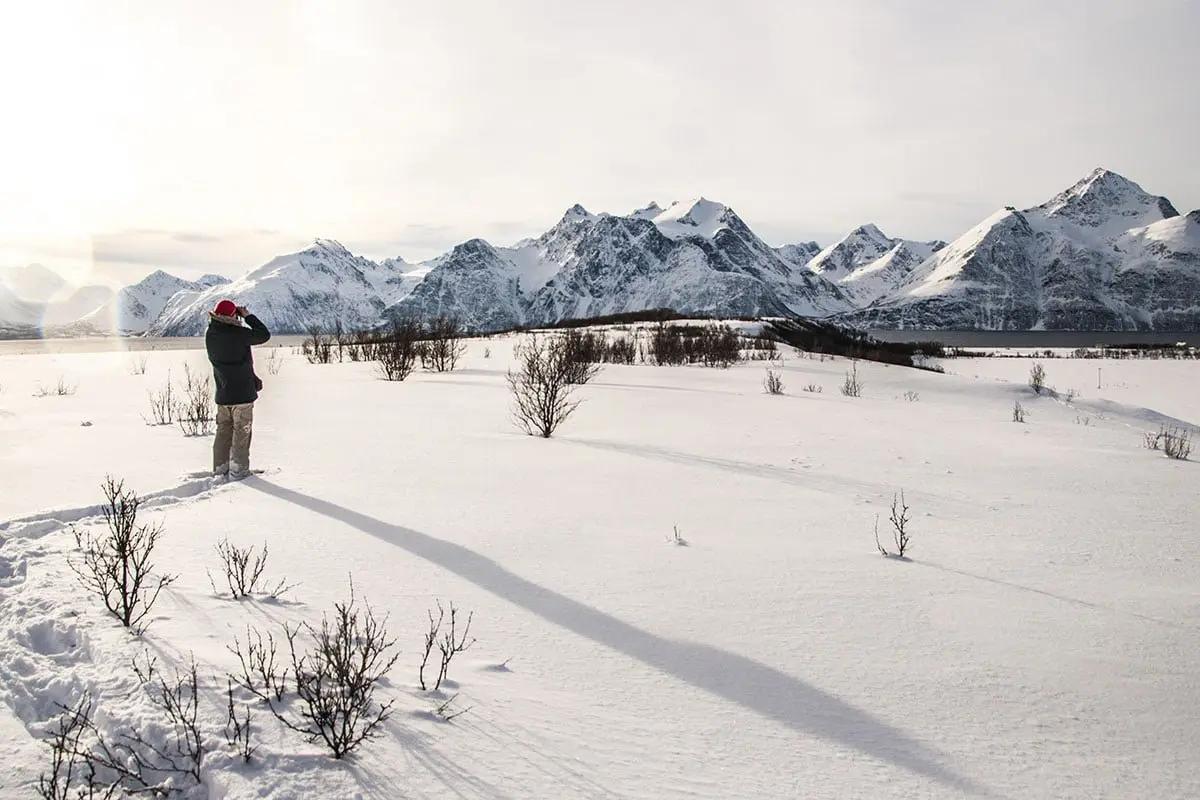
(33, 526)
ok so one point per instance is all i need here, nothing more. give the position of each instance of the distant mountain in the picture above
(321, 286)
(32, 283)
(866, 264)
(696, 257)
(134, 308)
(1101, 255)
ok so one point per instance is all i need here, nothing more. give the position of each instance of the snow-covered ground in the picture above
(1041, 642)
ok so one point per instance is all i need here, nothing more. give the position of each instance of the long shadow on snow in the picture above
(757, 687)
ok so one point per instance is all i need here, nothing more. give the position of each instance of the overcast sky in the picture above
(211, 136)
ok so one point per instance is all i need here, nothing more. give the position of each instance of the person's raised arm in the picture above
(258, 332)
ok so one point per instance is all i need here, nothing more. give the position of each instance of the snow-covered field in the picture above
(1041, 642)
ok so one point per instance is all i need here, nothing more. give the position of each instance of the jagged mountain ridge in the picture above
(1102, 254)
(1098, 256)
(867, 264)
(696, 257)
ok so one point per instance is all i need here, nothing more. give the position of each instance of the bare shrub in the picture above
(182, 751)
(274, 361)
(88, 763)
(444, 711)
(666, 346)
(900, 533)
(487, 352)
(397, 355)
(444, 345)
(336, 668)
(117, 566)
(163, 405)
(137, 365)
(912, 396)
(1037, 377)
(317, 347)
(541, 389)
(260, 675)
(243, 568)
(852, 386)
(195, 410)
(449, 643)
(1018, 414)
(773, 382)
(1177, 443)
(812, 387)
(582, 354)
(84, 764)
(429, 641)
(622, 350)
(237, 730)
(59, 389)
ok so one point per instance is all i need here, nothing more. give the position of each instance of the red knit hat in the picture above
(226, 308)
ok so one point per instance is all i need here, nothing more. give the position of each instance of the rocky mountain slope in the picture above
(866, 264)
(696, 257)
(1101, 255)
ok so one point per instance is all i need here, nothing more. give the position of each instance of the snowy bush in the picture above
(397, 355)
(449, 643)
(1175, 443)
(59, 389)
(237, 729)
(541, 387)
(1018, 414)
(710, 345)
(852, 386)
(1037, 378)
(335, 668)
(117, 566)
(274, 362)
(243, 568)
(260, 675)
(317, 347)
(812, 387)
(773, 382)
(162, 405)
(194, 413)
(676, 538)
(161, 757)
(900, 533)
(137, 365)
(444, 345)
(912, 396)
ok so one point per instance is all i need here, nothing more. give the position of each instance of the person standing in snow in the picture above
(228, 343)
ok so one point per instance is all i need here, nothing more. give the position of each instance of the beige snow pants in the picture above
(231, 447)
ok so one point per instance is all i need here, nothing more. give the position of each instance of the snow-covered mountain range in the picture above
(1102, 254)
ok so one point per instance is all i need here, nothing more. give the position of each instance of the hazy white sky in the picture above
(211, 136)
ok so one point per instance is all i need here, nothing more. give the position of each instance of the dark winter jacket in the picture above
(228, 344)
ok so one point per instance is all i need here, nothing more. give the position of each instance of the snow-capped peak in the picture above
(649, 211)
(699, 217)
(1106, 202)
(576, 213)
(332, 246)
